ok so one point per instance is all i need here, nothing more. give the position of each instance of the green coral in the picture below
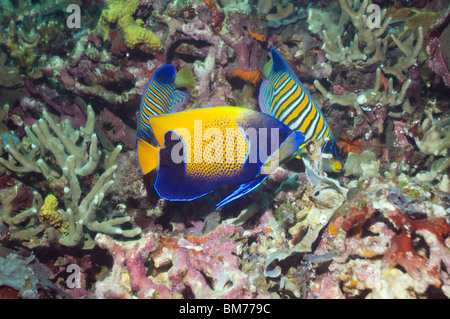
(120, 12)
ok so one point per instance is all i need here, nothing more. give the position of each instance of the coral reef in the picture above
(73, 197)
(74, 161)
(120, 12)
(26, 275)
(387, 237)
(205, 267)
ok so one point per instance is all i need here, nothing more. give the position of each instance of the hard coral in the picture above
(120, 12)
(374, 45)
(403, 237)
(75, 161)
(205, 267)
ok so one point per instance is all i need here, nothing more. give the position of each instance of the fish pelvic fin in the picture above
(241, 190)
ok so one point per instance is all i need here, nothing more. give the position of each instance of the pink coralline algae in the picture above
(437, 48)
(157, 266)
(394, 246)
(379, 229)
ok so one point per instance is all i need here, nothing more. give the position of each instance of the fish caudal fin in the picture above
(148, 156)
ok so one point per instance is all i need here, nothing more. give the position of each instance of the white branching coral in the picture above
(374, 39)
(76, 153)
(372, 96)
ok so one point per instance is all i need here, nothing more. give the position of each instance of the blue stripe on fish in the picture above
(284, 97)
(160, 97)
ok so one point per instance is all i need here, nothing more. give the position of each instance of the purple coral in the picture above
(201, 267)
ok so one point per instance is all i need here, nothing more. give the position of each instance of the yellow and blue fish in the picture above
(160, 97)
(283, 96)
(199, 151)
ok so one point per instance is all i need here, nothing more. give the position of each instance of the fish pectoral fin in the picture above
(241, 190)
(148, 156)
(184, 78)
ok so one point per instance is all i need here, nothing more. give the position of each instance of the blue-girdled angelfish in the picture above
(199, 151)
(283, 96)
(160, 97)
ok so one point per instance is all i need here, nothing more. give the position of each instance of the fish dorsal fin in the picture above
(264, 97)
(165, 74)
(278, 63)
(179, 99)
(160, 95)
(148, 156)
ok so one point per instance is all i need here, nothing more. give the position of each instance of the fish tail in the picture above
(148, 156)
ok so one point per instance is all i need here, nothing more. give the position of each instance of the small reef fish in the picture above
(283, 96)
(200, 151)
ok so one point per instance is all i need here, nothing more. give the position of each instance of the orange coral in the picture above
(211, 5)
(352, 146)
(257, 36)
(251, 77)
(333, 229)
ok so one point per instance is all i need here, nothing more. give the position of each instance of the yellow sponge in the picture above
(120, 12)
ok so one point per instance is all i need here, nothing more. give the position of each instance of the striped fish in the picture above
(285, 98)
(160, 97)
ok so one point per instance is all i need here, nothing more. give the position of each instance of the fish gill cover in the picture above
(78, 219)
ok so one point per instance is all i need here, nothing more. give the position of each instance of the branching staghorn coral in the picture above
(69, 150)
(18, 231)
(375, 45)
(374, 39)
(411, 52)
(282, 9)
(371, 96)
